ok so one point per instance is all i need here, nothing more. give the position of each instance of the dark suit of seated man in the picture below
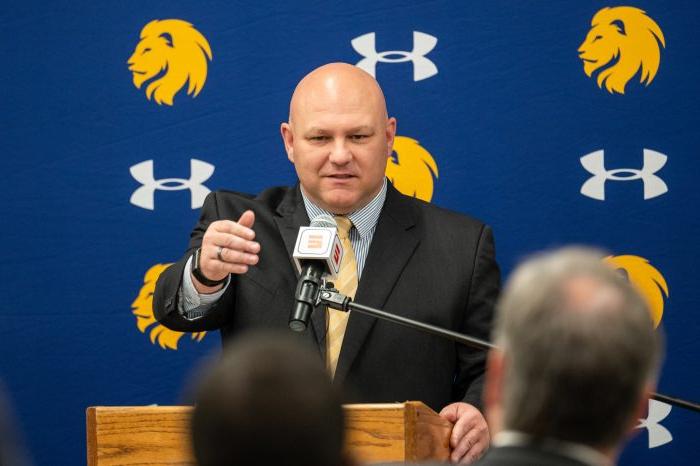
(270, 401)
(403, 255)
(578, 359)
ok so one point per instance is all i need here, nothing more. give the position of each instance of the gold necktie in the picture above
(346, 283)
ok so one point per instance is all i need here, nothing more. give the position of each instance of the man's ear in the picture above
(493, 389)
(390, 134)
(642, 410)
(288, 139)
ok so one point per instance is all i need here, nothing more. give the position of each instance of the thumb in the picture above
(449, 412)
(247, 219)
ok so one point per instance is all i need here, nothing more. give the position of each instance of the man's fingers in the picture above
(473, 454)
(228, 247)
(237, 257)
(460, 449)
(449, 412)
(225, 268)
(470, 447)
(234, 228)
(247, 219)
(463, 425)
(235, 268)
(470, 433)
(232, 242)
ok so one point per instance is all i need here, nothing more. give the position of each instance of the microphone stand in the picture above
(330, 297)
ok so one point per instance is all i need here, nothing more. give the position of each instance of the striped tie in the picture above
(346, 283)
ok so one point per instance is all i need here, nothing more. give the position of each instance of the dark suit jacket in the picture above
(424, 262)
(525, 456)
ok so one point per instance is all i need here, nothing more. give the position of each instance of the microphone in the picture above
(317, 252)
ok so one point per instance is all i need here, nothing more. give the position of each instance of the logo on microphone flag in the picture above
(319, 243)
(314, 241)
(336, 254)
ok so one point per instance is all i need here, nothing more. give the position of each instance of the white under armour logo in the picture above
(658, 434)
(594, 163)
(423, 43)
(143, 173)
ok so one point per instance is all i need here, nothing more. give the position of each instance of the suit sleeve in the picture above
(166, 295)
(483, 293)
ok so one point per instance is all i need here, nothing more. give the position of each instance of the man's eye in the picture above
(358, 137)
(318, 138)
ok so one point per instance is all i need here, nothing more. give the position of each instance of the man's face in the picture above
(339, 143)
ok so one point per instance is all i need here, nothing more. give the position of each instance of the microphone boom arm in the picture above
(330, 297)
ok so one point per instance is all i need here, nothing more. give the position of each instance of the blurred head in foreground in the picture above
(268, 400)
(12, 451)
(577, 354)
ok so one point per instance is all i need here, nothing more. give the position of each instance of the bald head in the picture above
(337, 84)
(339, 137)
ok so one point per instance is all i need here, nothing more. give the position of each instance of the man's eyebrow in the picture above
(356, 129)
(362, 129)
(315, 130)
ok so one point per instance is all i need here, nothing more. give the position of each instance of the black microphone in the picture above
(317, 252)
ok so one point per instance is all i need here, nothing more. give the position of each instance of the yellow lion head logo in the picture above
(174, 52)
(142, 308)
(626, 36)
(412, 169)
(647, 279)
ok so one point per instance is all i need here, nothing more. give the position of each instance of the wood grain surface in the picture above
(159, 435)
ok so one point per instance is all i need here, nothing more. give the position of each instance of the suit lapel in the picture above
(392, 246)
(291, 214)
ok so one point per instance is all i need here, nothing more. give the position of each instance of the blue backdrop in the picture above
(494, 92)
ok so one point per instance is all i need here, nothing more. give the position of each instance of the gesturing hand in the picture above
(470, 434)
(228, 247)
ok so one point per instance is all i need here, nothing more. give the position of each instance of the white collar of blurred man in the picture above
(576, 451)
(577, 357)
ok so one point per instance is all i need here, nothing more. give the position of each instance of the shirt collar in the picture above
(364, 220)
(577, 451)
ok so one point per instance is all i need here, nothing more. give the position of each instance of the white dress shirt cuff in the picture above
(193, 304)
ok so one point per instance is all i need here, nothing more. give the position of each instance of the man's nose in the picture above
(340, 153)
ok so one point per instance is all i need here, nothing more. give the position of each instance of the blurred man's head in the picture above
(268, 400)
(578, 353)
(339, 137)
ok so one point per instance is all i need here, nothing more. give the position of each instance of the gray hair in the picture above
(579, 346)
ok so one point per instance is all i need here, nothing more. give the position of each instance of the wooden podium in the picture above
(159, 435)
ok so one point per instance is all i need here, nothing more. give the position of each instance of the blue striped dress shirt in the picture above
(364, 222)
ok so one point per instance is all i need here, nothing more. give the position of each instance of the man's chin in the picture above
(341, 203)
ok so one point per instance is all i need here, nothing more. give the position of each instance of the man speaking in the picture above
(401, 254)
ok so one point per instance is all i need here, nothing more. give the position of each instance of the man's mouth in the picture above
(341, 176)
